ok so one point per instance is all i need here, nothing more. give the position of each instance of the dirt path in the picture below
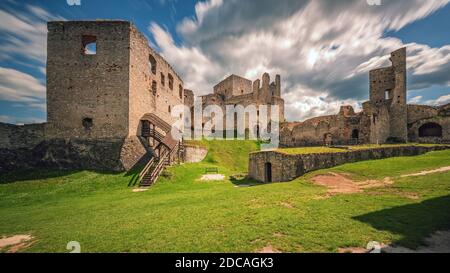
(16, 242)
(440, 170)
(340, 184)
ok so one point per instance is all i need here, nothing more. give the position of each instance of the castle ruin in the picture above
(385, 118)
(110, 98)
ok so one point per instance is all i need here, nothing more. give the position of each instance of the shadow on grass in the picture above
(242, 180)
(39, 174)
(21, 175)
(413, 222)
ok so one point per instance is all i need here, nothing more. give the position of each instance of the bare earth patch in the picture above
(16, 242)
(440, 170)
(213, 177)
(140, 190)
(353, 250)
(287, 205)
(339, 184)
(268, 249)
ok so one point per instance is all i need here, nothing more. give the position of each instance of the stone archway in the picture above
(430, 129)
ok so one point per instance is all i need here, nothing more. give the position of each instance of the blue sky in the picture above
(322, 49)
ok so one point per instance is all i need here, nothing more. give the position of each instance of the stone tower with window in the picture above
(102, 78)
(385, 115)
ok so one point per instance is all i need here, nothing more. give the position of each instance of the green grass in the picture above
(322, 150)
(182, 214)
(310, 150)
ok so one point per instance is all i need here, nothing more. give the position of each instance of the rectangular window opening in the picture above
(89, 43)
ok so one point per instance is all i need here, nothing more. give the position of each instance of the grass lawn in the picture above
(182, 214)
(321, 150)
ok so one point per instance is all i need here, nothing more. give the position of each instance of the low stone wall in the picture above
(285, 167)
(21, 136)
(194, 154)
(77, 154)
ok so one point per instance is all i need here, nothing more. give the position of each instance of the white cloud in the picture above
(25, 34)
(439, 101)
(415, 100)
(322, 49)
(24, 43)
(21, 87)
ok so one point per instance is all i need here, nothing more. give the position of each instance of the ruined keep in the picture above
(385, 118)
(107, 90)
(236, 90)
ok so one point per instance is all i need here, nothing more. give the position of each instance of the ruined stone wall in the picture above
(87, 95)
(233, 86)
(21, 136)
(418, 112)
(236, 90)
(155, 87)
(375, 123)
(110, 154)
(194, 154)
(189, 98)
(442, 121)
(388, 89)
(333, 129)
(398, 109)
(287, 167)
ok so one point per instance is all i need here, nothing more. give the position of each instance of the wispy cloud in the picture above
(20, 87)
(24, 44)
(25, 34)
(439, 101)
(323, 49)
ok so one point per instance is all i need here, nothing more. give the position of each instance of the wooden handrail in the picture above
(161, 163)
(146, 168)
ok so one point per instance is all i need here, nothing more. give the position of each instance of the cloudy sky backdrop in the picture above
(322, 48)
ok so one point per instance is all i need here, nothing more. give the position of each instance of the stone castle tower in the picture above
(386, 112)
(103, 83)
(102, 78)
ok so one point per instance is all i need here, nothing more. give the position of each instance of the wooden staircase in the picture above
(166, 146)
(155, 167)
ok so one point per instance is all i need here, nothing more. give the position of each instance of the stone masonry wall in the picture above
(83, 86)
(287, 167)
(194, 154)
(155, 87)
(77, 154)
(21, 136)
